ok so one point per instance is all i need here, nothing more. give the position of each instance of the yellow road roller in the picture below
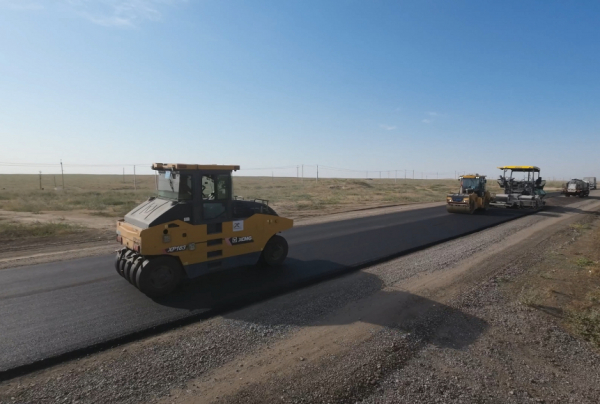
(471, 196)
(194, 226)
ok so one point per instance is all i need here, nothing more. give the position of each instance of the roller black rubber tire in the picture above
(129, 266)
(137, 263)
(159, 276)
(275, 252)
(123, 262)
(118, 260)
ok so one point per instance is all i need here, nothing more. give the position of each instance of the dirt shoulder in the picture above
(566, 283)
(445, 324)
(94, 235)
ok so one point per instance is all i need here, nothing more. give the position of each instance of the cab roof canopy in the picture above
(207, 167)
(521, 168)
(472, 176)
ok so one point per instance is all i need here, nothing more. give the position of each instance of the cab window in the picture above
(176, 186)
(216, 196)
(215, 187)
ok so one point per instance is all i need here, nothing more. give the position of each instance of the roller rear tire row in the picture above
(155, 277)
(275, 252)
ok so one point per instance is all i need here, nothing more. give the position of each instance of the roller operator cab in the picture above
(194, 226)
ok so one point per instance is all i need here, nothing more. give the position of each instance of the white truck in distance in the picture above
(591, 181)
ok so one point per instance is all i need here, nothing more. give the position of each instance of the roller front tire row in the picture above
(159, 276)
(155, 277)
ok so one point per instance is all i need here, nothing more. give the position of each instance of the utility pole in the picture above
(134, 179)
(62, 173)
(317, 173)
(40, 180)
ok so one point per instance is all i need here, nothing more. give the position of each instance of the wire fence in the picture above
(298, 170)
(301, 171)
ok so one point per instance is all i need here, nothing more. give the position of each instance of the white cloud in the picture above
(430, 113)
(118, 13)
(387, 127)
(21, 4)
(427, 121)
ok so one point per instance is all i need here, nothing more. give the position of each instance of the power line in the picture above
(288, 167)
(69, 165)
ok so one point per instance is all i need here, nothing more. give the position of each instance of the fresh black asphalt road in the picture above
(51, 309)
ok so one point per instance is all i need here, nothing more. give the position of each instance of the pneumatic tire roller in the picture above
(193, 227)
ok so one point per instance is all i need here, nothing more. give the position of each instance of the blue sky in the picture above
(434, 86)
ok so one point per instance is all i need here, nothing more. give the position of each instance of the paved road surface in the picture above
(51, 309)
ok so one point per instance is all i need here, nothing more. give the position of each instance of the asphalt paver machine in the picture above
(194, 226)
(522, 187)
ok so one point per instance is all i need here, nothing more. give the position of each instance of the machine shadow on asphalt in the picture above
(239, 286)
(362, 292)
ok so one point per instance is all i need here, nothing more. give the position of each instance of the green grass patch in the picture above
(530, 296)
(580, 227)
(594, 296)
(584, 262)
(14, 231)
(586, 323)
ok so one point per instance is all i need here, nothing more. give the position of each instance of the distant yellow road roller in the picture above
(471, 196)
(194, 226)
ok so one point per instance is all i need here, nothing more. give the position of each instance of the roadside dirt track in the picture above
(433, 326)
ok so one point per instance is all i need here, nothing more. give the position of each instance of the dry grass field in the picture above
(112, 196)
(108, 195)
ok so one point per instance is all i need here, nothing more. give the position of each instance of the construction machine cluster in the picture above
(194, 225)
(526, 192)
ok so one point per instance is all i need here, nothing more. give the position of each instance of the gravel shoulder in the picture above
(434, 326)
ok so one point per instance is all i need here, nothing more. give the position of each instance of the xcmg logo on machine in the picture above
(176, 248)
(240, 240)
